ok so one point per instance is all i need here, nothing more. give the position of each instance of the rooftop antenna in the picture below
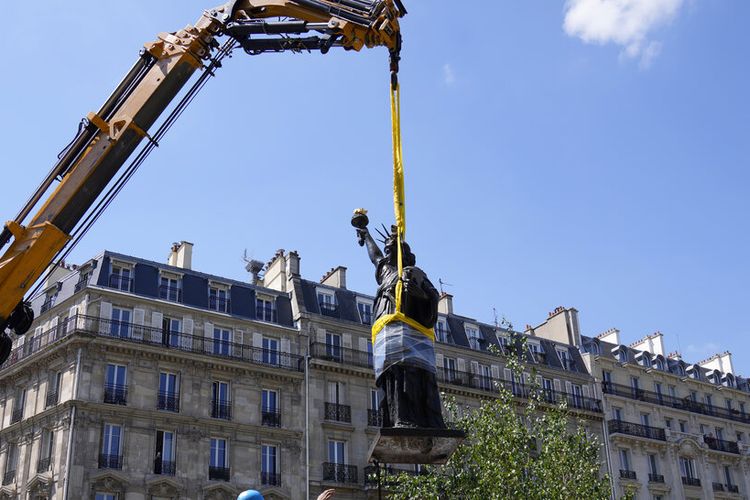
(254, 267)
(494, 314)
(443, 284)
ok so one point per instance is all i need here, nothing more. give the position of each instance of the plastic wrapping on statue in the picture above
(398, 343)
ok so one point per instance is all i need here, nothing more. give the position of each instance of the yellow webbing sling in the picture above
(399, 206)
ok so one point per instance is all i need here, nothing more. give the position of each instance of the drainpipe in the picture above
(66, 481)
(612, 478)
(307, 420)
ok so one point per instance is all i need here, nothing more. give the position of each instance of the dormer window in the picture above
(50, 298)
(595, 349)
(504, 340)
(121, 277)
(728, 380)
(441, 331)
(84, 275)
(565, 360)
(327, 303)
(621, 353)
(644, 359)
(680, 370)
(659, 363)
(536, 351)
(265, 308)
(218, 298)
(365, 311)
(474, 336)
(170, 288)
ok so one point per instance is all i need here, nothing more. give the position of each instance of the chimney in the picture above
(445, 305)
(721, 362)
(612, 336)
(292, 264)
(675, 355)
(56, 273)
(336, 277)
(275, 277)
(653, 343)
(181, 255)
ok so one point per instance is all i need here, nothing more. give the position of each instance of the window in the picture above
(169, 392)
(369, 353)
(607, 379)
(503, 340)
(634, 383)
(218, 299)
(645, 360)
(549, 391)
(728, 403)
(709, 400)
(170, 329)
(441, 331)
(333, 346)
(336, 392)
(687, 467)
(121, 278)
(111, 447)
(337, 452)
(653, 468)
(449, 369)
(11, 464)
(742, 409)
(374, 400)
(660, 364)
(658, 391)
(270, 351)
(624, 459)
(673, 392)
(668, 423)
(218, 465)
(45, 453)
(728, 476)
(49, 301)
(164, 459)
(683, 426)
(485, 378)
(265, 309)
(120, 325)
(577, 396)
(617, 413)
(645, 419)
(270, 408)
(474, 337)
(327, 303)
(170, 289)
(693, 396)
(221, 407)
(720, 433)
(222, 341)
(535, 350)
(365, 312)
(622, 355)
(565, 360)
(115, 385)
(703, 429)
(19, 403)
(53, 389)
(268, 465)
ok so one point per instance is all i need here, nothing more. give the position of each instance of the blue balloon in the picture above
(250, 495)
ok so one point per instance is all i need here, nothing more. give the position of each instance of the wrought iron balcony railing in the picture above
(686, 403)
(627, 474)
(330, 310)
(386, 475)
(732, 488)
(270, 479)
(639, 430)
(43, 464)
(721, 445)
(16, 415)
(122, 283)
(270, 417)
(140, 334)
(221, 409)
(47, 305)
(691, 481)
(219, 304)
(375, 418)
(655, 478)
(9, 477)
(52, 398)
(164, 467)
(116, 394)
(266, 313)
(110, 461)
(338, 354)
(168, 401)
(717, 486)
(219, 473)
(170, 293)
(340, 473)
(338, 413)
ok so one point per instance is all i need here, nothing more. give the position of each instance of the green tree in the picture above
(511, 451)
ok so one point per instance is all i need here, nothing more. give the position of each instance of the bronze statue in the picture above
(404, 357)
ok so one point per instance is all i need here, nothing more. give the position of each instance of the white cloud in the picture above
(623, 22)
(449, 77)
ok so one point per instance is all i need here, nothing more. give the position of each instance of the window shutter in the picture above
(72, 313)
(586, 391)
(105, 316)
(346, 340)
(363, 344)
(53, 326)
(238, 343)
(508, 374)
(526, 378)
(495, 372)
(539, 380)
(186, 339)
(461, 365)
(474, 367)
(208, 337)
(139, 318)
(557, 385)
(257, 346)
(286, 350)
(568, 387)
(321, 336)
(83, 311)
(157, 319)
(439, 360)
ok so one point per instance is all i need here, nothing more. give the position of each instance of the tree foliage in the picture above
(529, 451)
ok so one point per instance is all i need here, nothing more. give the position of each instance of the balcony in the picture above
(16, 416)
(110, 461)
(43, 465)
(721, 445)
(627, 474)
(732, 488)
(375, 418)
(219, 473)
(9, 477)
(685, 404)
(338, 413)
(270, 479)
(638, 430)
(52, 398)
(168, 401)
(116, 394)
(81, 284)
(717, 486)
(340, 473)
(122, 283)
(691, 481)
(170, 293)
(655, 478)
(270, 417)
(219, 304)
(164, 467)
(330, 310)
(386, 475)
(221, 409)
(338, 354)
(47, 305)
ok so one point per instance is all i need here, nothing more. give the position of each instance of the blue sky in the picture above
(556, 154)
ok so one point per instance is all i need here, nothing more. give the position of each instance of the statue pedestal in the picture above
(403, 445)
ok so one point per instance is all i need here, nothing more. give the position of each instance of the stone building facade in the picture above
(674, 429)
(149, 381)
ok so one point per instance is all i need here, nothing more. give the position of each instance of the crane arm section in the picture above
(110, 136)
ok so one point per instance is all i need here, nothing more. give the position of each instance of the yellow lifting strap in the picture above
(399, 205)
